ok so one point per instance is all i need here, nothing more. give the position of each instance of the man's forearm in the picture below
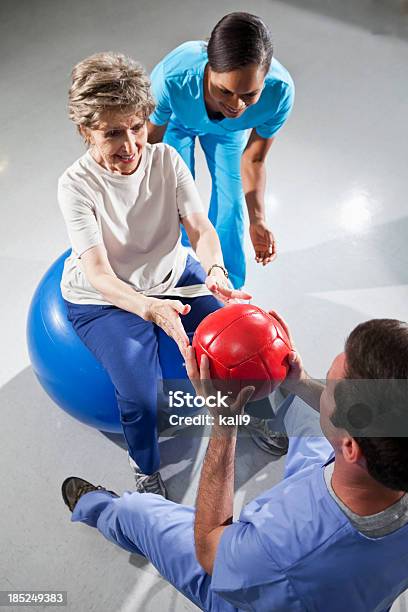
(215, 497)
(253, 175)
(308, 389)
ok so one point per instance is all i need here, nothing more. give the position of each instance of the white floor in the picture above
(336, 199)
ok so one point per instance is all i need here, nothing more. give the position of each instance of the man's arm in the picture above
(253, 175)
(298, 380)
(308, 389)
(215, 497)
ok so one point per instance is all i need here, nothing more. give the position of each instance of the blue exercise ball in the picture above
(67, 370)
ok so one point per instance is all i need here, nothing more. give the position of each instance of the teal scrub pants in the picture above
(226, 212)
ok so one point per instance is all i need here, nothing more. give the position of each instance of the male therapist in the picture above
(333, 535)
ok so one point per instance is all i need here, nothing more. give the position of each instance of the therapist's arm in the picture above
(215, 497)
(253, 173)
(155, 133)
(298, 380)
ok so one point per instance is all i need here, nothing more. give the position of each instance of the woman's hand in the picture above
(263, 242)
(166, 314)
(296, 373)
(217, 283)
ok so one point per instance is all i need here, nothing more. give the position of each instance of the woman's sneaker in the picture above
(147, 483)
(150, 483)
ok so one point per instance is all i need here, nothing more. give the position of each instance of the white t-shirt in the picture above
(136, 217)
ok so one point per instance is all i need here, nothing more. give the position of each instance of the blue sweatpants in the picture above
(127, 346)
(226, 212)
(163, 531)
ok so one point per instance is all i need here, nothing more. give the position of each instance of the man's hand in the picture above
(203, 386)
(296, 373)
(166, 314)
(263, 242)
(298, 380)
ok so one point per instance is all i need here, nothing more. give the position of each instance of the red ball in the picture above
(245, 346)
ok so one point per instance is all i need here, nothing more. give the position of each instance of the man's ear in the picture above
(351, 451)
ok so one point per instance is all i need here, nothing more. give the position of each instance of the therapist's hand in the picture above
(166, 314)
(201, 380)
(263, 242)
(296, 373)
(217, 283)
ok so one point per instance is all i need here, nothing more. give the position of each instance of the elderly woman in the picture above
(128, 273)
(220, 92)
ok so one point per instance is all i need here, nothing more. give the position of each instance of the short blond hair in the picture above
(108, 82)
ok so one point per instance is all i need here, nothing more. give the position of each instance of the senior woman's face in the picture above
(118, 141)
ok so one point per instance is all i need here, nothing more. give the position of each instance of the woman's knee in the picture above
(138, 411)
(134, 375)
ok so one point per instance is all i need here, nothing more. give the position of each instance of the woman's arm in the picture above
(155, 133)
(201, 233)
(204, 240)
(253, 175)
(205, 243)
(157, 124)
(164, 313)
(99, 273)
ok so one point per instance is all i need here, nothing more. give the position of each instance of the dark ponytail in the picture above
(237, 40)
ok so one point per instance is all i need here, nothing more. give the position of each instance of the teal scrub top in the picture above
(177, 84)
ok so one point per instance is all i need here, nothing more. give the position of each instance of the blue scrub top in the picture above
(177, 84)
(294, 549)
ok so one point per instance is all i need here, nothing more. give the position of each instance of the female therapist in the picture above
(218, 91)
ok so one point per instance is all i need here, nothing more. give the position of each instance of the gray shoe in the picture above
(274, 443)
(147, 483)
(150, 483)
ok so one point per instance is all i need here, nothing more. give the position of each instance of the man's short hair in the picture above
(372, 400)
